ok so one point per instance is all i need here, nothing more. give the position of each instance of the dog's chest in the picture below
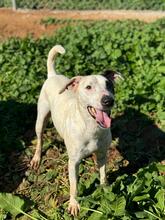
(88, 148)
(94, 141)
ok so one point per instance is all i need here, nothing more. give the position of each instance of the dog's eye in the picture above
(88, 87)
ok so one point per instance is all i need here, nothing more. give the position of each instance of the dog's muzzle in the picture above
(100, 116)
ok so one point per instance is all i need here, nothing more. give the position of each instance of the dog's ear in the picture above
(72, 84)
(112, 75)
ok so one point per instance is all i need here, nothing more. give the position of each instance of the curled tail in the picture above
(51, 56)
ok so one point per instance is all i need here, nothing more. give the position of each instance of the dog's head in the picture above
(95, 94)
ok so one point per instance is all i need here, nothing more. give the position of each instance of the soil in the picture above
(21, 23)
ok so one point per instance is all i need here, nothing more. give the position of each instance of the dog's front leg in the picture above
(101, 161)
(74, 206)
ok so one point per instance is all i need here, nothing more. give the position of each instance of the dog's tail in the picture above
(51, 56)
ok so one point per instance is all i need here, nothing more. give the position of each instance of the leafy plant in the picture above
(136, 50)
(51, 20)
(140, 196)
(15, 205)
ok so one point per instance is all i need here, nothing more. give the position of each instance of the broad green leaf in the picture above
(116, 53)
(14, 205)
(105, 206)
(160, 197)
(136, 188)
(161, 69)
(118, 206)
(97, 216)
(108, 194)
(141, 198)
(11, 203)
(141, 215)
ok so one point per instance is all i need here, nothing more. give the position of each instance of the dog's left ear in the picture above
(112, 75)
(71, 85)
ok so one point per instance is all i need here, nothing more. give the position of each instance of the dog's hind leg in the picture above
(42, 118)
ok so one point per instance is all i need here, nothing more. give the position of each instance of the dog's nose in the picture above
(107, 101)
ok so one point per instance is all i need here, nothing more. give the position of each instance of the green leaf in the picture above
(135, 188)
(161, 69)
(160, 196)
(97, 216)
(106, 206)
(118, 206)
(141, 198)
(140, 215)
(14, 205)
(155, 217)
(11, 203)
(116, 53)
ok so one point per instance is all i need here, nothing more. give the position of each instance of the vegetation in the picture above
(89, 4)
(134, 48)
(137, 188)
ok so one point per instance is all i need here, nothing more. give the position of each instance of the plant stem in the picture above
(93, 210)
(31, 217)
(150, 213)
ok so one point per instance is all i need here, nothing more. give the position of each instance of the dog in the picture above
(80, 110)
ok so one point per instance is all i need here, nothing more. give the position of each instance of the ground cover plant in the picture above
(88, 4)
(136, 189)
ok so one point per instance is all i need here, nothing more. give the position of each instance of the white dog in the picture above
(80, 110)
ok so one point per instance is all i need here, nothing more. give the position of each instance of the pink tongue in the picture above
(103, 119)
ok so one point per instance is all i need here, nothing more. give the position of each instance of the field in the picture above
(136, 178)
(22, 23)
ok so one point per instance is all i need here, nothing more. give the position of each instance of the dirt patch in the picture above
(21, 23)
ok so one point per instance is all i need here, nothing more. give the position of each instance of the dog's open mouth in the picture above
(101, 117)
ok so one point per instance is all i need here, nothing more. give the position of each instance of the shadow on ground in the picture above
(140, 140)
(17, 122)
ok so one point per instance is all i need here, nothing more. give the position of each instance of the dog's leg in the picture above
(74, 207)
(42, 118)
(101, 161)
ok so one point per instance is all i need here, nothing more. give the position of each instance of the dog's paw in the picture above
(73, 207)
(35, 162)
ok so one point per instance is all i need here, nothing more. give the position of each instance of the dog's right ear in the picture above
(112, 75)
(72, 84)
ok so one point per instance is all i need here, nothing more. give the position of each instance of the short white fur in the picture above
(82, 135)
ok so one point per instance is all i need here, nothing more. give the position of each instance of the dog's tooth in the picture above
(93, 110)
